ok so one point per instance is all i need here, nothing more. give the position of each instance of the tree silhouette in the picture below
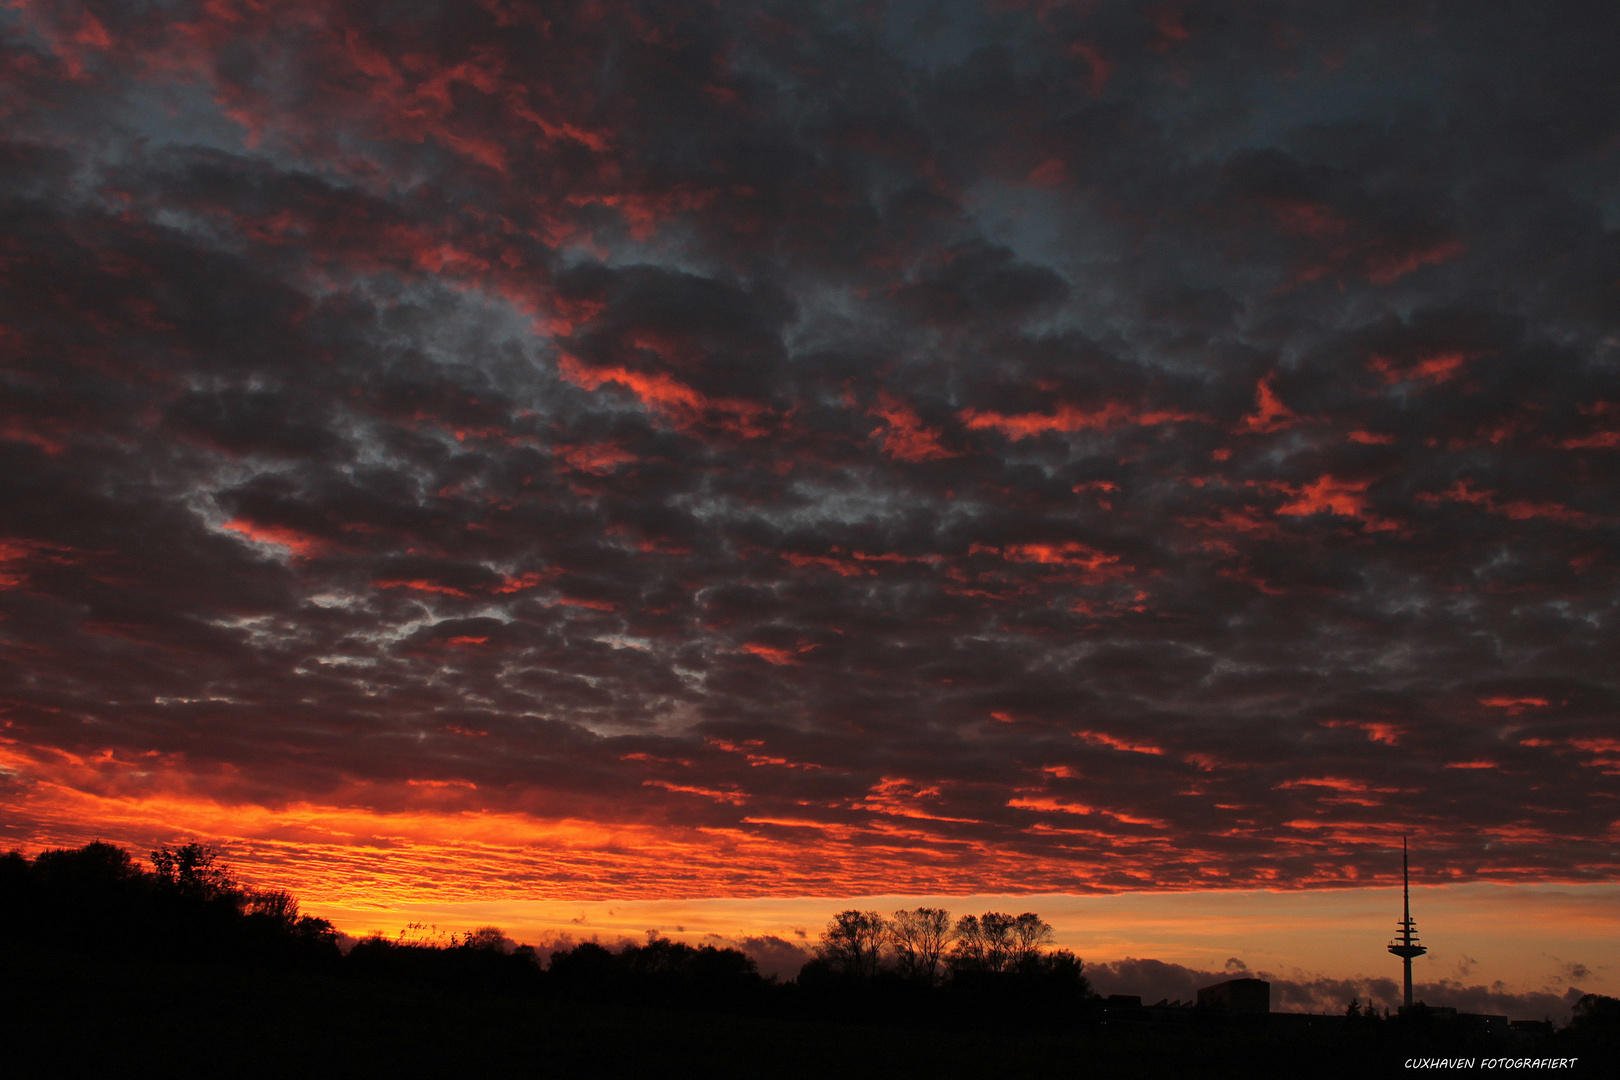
(853, 943)
(1027, 934)
(1596, 1012)
(918, 938)
(97, 901)
(995, 942)
(487, 938)
(980, 943)
(275, 906)
(195, 871)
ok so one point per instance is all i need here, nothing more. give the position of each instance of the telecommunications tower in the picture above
(1406, 944)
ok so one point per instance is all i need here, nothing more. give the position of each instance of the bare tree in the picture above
(969, 953)
(1029, 932)
(853, 942)
(918, 939)
(998, 942)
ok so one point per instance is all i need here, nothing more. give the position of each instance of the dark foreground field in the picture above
(69, 1016)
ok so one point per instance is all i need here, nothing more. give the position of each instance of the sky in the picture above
(492, 452)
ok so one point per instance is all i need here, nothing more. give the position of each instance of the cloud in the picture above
(1053, 443)
(1298, 991)
(775, 956)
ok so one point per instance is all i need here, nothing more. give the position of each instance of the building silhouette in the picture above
(1247, 995)
(1406, 944)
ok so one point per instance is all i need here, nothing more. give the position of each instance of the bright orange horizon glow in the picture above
(1519, 935)
(371, 844)
(549, 881)
(573, 880)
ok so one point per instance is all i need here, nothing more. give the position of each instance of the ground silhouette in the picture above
(179, 969)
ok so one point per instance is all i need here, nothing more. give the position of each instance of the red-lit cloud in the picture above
(663, 449)
(1269, 414)
(908, 438)
(1067, 419)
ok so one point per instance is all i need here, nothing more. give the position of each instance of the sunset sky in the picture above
(709, 453)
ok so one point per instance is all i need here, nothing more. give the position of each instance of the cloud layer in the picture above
(1298, 991)
(1016, 446)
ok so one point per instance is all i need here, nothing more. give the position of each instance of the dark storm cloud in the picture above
(1076, 446)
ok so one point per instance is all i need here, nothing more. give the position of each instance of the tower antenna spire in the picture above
(1406, 944)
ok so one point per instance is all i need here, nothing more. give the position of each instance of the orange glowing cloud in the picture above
(1102, 738)
(40, 433)
(1254, 581)
(749, 749)
(856, 563)
(644, 212)
(300, 544)
(1247, 520)
(420, 585)
(589, 603)
(422, 200)
(1436, 369)
(1514, 705)
(666, 396)
(1376, 731)
(1463, 491)
(1068, 553)
(1384, 269)
(598, 459)
(1599, 440)
(895, 557)
(1095, 566)
(838, 564)
(1335, 496)
(528, 580)
(1050, 804)
(776, 656)
(23, 552)
(1346, 498)
(9, 580)
(566, 315)
(1069, 418)
(1270, 414)
(896, 796)
(1334, 783)
(734, 797)
(372, 845)
(908, 438)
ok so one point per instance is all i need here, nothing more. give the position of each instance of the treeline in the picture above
(187, 907)
(184, 906)
(916, 969)
(924, 945)
(920, 969)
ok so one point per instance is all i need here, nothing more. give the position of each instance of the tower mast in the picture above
(1406, 944)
